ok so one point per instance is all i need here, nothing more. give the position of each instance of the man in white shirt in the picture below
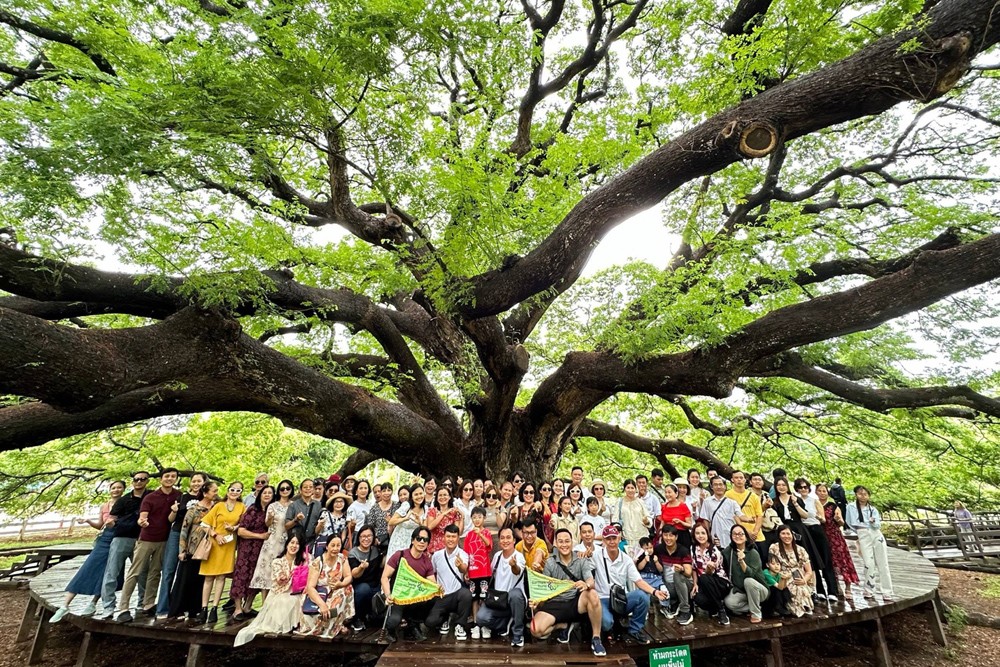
(588, 546)
(450, 565)
(611, 566)
(647, 497)
(721, 512)
(259, 483)
(577, 476)
(508, 577)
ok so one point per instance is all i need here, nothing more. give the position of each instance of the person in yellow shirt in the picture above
(750, 505)
(533, 549)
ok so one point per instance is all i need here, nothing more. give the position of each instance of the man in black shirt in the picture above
(125, 515)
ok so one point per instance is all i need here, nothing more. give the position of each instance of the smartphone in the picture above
(796, 574)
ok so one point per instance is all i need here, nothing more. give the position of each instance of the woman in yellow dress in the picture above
(221, 523)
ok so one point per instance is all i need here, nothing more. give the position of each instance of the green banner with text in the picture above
(670, 656)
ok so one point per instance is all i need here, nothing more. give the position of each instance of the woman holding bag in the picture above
(281, 610)
(329, 597)
(194, 546)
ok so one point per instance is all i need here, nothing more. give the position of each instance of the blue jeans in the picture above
(167, 573)
(120, 551)
(636, 608)
(497, 620)
(656, 580)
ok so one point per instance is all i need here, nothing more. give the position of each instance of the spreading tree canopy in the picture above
(371, 221)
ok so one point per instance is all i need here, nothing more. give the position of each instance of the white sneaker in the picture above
(485, 632)
(475, 632)
(58, 616)
(459, 633)
(445, 627)
(90, 609)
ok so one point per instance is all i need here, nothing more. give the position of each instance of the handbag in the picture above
(495, 599)
(203, 550)
(618, 600)
(308, 606)
(300, 578)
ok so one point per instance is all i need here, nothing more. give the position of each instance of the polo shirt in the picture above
(421, 566)
(581, 569)
(448, 575)
(529, 555)
(622, 571)
(311, 512)
(751, 508)
(680, 556)
(157, 504)
(721, 520)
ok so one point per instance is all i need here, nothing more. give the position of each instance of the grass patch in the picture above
(992, 588)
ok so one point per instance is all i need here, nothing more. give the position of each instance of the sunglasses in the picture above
(598, 488)
(518, 481)
(529, 492)
(140, 479)
(492, 496)
(421, 539)
(574, 490)
(260, 482)
(799, 488)
(284, 488)
(546, 488)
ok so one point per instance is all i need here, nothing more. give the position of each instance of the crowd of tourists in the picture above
(323, 556)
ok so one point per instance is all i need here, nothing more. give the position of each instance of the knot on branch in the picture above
(952, 59)
(758, 139)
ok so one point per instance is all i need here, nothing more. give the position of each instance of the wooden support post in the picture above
(934, 616)
(775, 658)
(28, 620)
(194, 656)
(43, 562)
(41, 637)
(879, 648)
(88, 649)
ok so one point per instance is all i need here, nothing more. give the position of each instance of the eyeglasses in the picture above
(574, 490)
(598, 488)
(422, 538)
(140, 479)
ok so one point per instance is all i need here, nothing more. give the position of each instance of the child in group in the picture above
(479, 545)
(649, 566)
(593, 516)
(779, 597)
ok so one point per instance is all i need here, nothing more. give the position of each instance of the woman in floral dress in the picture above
(794, 560)
(330, 594)
(252, 533)
(274, 519)
(409, 515)
(439, 517)
(841, 555)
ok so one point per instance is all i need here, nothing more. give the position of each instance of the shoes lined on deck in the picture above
(90, 609)
(517, 641)
(358, 625)
(58, 616)
(597, 647)
(474, 632)
(460, 634)
(639, 637)
(685, 618)
(485, 632)
(213, 615)
(126, 617)
(723, 617)
(562, 636)
(445, 627)
(202, 617)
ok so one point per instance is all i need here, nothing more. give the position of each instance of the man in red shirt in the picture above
(157, 511)
(417, 558)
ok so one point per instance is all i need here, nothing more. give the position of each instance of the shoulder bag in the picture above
(499, 600)
(203, 549)
(618, 600)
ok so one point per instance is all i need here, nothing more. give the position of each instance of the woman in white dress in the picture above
(407, 517)
(281, 610)
(275, 543)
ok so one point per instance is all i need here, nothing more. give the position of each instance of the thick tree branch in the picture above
(881, 400)
(746, 16)
(194, 361)
(867, 83)
(355, 463)
(657, 447)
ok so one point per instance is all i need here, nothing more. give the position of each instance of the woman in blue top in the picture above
(864, 518)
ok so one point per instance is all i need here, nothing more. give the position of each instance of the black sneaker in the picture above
(639, 637)
(416, 633)
(125, 618)
(562, 636)
(723, 617)
(685, 618)
(149, 613)
(358, 625)
(517, 641)
(597, 647)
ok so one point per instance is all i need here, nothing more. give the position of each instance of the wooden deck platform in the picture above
(914, 578)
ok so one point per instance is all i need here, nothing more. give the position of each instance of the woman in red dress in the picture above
(841, 556)
(675, 512)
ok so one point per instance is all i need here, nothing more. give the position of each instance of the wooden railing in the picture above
(61, 526)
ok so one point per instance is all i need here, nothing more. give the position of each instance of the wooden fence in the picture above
(56, 526)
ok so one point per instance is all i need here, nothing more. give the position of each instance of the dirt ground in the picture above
(908, 636)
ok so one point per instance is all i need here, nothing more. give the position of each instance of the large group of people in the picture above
(323, 556)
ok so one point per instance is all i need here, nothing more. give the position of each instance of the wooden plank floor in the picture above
(915, 581)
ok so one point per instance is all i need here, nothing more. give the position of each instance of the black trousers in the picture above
(458, 603)
(412, 612)
(712, 590)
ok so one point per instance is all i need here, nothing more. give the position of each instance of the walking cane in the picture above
(382, 633)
